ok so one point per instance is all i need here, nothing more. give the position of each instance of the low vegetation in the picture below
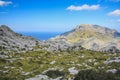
(55, 73)
(26, 65)
(97, 75)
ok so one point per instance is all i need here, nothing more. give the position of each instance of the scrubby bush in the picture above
(55, 73)
(94, 75)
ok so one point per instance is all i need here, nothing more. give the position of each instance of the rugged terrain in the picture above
(61, 58)
(60, 65)
(11, 41)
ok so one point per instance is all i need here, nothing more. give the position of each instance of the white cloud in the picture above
(5, 3)
(83, 7)
(114, 13)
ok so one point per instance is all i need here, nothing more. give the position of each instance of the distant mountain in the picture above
(93, 37)
(11, 41)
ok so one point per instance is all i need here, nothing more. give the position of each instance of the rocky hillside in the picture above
(11, 41)
(93, 37)
(89, 36)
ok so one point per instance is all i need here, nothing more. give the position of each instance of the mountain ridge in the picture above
(92, 37)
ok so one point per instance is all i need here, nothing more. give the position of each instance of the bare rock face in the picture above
(93, 37)
(11, 41)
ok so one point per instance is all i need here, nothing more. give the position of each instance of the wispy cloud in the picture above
(5, 3)
(83, 7)
(114, 13)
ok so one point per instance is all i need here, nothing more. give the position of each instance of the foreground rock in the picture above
(111, 60)
(43, 77)
(73, 71)
(50, 74)
(112, 71)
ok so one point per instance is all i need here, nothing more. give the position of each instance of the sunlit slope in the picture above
(92, 37)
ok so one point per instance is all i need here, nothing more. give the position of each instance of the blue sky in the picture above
(58, 15)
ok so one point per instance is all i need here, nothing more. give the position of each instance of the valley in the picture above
(63, 57)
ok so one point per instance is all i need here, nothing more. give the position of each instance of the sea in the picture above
(41, 35)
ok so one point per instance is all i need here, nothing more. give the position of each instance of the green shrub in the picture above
(94, 75)
(55, 73)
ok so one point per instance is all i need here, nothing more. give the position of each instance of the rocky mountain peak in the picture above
(93, 37)
(94, 28)
(5, 28)
(84, 26)
(6, 31)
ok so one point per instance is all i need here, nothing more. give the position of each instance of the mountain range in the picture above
(93, 37)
